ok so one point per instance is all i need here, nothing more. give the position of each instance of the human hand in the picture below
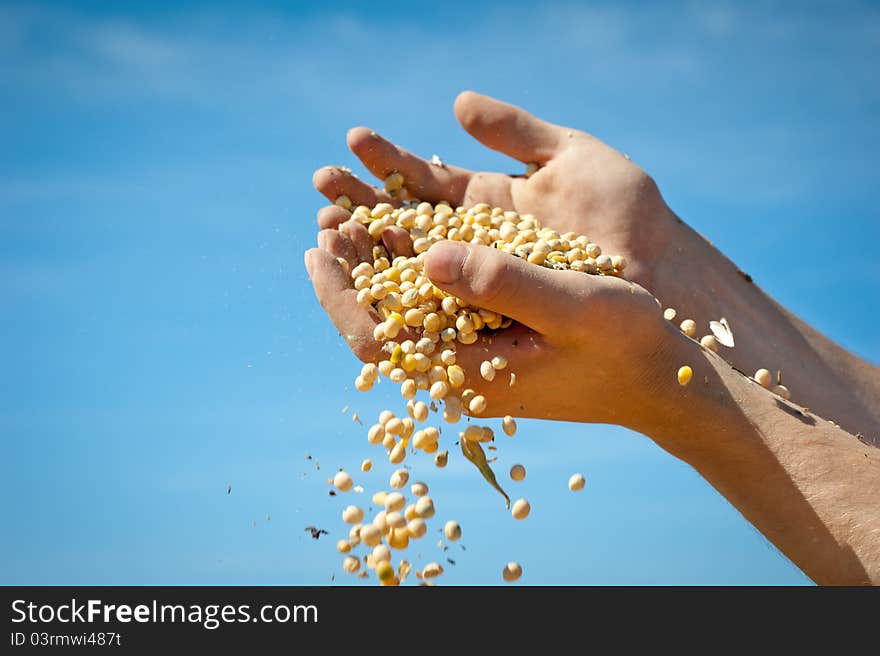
(583, 348)
(585, 186)
(582, 184)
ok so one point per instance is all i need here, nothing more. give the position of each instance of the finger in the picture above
(333, 183)
(339, 245)
(360, 238)
(397, 241)
(507, 128)
(485, 277)
(335, 292)
(425, 181)
(337, 296)
(330, 216)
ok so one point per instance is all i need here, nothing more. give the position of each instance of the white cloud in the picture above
(125, 45)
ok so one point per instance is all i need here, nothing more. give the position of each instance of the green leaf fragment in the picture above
(474, 452)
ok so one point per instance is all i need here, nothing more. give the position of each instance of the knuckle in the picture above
(644, 183)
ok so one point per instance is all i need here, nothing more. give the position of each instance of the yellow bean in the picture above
(684, 375)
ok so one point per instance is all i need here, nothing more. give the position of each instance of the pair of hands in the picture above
(584, 348)
(597, 349)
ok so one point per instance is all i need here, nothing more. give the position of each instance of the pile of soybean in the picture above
(421, 329)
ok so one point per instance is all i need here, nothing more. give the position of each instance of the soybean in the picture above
(342, 481)
(764, 378)
(511, 572)
(520, 509)
(684, 375)
(452, 529)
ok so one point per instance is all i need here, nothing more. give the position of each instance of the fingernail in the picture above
(445, 262)
(307, 258)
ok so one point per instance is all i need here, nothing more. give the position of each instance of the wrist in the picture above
(663, 400)
(696, 279)
(692, 421)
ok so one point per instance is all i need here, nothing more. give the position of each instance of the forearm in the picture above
(820, 374)
(809, 487)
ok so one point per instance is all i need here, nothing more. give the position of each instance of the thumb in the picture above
(488, 278)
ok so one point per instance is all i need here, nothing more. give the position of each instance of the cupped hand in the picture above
(582, 184)
(582, 347)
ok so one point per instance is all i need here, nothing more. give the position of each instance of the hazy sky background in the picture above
(160, 340)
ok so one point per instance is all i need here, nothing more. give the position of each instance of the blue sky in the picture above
(160, 337)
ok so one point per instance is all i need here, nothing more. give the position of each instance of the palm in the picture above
(589, 189)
